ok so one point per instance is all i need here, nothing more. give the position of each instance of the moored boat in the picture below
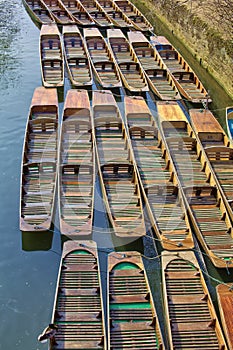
(159, 79)
(77, 166)
(39, 12)
(118, 18)
(102, 59)
(133, 320)
(188, 83)
(214, 147)
(39, 157)
(59, 11)
(128, 64)
(76, 57)
(116, 167)
(98, 14)
(225, 303)
(205, 202)
(138, 20)
(78, 314)
(164, 202)
(229, 122)
(78, 12)
(190, 315)
(51, 56)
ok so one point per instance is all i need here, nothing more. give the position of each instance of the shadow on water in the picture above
(32, 241)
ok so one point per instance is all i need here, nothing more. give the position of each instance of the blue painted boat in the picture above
(229, 121)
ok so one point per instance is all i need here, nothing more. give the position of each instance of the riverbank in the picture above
(210, 44)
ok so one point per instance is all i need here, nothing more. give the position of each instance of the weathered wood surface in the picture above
(117, 168)
(39, 157)
(166, 209)
(77, 166)
(79, 317)
(190, 315)
(225, 302)
(133, 320)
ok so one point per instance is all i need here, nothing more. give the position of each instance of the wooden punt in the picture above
(128, 64)
(60, 13)
(102, 59)
(78, 12)
(206, 206)
(133, 321)
(117, 171)
(78, 310)
(138, 20)
(38, 170)
(229, 122)
(214, 147)
(51, 56)
(225, 302)
(76, 57)
(118, 18)
(77, 166)
(98, 14)
(185, 79)
(159, 79)
(190, 315)
(164, 202)
(39, 12)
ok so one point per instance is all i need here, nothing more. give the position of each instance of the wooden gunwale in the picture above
(76, 167)
(78, 308)
(216, 149)
(164, 202)
(39, 11)
(205, 203)
(138, 20)
(98, 14)
(190, 315)
(76, 57)
(225, 303)
(159, 78)
(132, 314)
(118, 18)
(38, 167)
(116, 167)
(229, 122)
(51, 56)
(187, 82)
(129, 66)
(59, 11)
(102, 59)
(78, 12)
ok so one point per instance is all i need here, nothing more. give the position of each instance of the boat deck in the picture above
(133, 320)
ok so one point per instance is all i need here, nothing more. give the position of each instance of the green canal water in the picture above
(29, 263)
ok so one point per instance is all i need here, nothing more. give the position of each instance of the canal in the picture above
(29, 263)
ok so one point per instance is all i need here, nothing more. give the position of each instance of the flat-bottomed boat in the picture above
(205, 202)
(117, 170)
(159, 79)
(38, 171)
(133, 321)
(51, 56)
(129, 66)
(78, 12)
(190, 315)
(164, 202)
(39, 12)
(76, 57)
(225, 303)
(78, 313)
(98, 14)
(185, 78)
(102, 59)
(59, 11)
